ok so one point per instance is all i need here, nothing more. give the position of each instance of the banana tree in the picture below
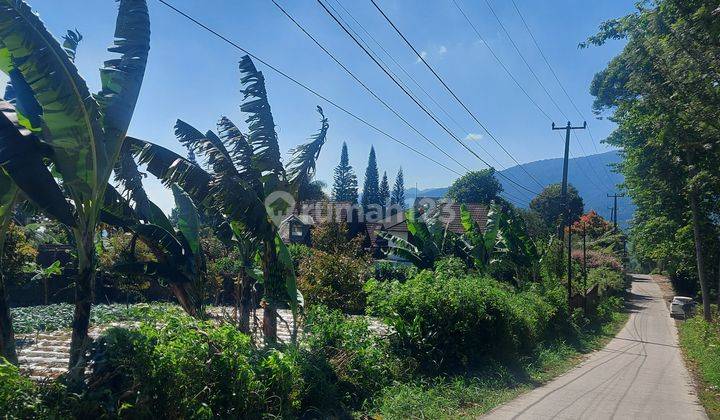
(8, 197)
(502, 241)
(178, 257)
(243, 171)
(80, 134)
(429, 239)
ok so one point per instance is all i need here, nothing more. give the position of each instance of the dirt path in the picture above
(639, 374)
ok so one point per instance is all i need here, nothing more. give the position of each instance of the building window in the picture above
(297, 230)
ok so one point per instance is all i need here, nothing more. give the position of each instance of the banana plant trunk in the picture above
(183, 297)
(7, 336)
(243, 298)
(273, 280)
(84, 285)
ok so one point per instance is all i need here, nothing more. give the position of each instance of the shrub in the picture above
(335, 280)
(359, 361)
(189, 369)
(609, 281)
(598, 259)
(18, 396)
(389, 271)
(446, 319)
(299, 252)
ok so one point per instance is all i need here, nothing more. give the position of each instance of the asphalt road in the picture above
(639, 374)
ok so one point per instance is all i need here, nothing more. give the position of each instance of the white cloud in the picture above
(473, 137)
(442, 50)
(423, 54)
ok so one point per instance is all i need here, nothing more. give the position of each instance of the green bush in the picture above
(188, 369)
(360, 362)
(609, 281)
(389, 271)
(299, 252)
(448, 318)
(334, 280)
(19, 398)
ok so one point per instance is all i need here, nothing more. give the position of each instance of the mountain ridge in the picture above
(593, 176)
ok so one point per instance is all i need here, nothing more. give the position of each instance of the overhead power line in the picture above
(304, 86)
(402, 68)
(452, 92)
(365, 86)
(557, 79)
(536, 77)
(421, 106)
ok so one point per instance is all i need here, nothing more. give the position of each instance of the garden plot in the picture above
(43, 339)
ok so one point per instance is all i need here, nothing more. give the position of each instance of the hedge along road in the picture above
(639, 374)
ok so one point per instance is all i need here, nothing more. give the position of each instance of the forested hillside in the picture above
(593, 176)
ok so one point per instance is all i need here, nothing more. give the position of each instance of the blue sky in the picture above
(193, 76)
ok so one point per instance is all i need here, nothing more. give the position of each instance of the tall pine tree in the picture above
(384, 191)
(398, 192)
(371, 187)
(345, 186)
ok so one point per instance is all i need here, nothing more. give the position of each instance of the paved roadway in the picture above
(639, 374)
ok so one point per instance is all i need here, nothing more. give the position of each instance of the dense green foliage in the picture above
(335, 280)
(447, 318)
(18, 396)
(662, 91)
(384, 191)
(59, 316)
(548, 204)
(475, 187)
(700, 341)
(334, 271)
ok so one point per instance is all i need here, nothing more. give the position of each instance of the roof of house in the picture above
(451, 213)
(324, 211)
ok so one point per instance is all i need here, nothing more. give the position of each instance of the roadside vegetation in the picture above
(700, 341)
(662, 91)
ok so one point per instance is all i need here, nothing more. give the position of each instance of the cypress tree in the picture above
(398, 192)
(371, 187)
(345, 187)
(384, 191)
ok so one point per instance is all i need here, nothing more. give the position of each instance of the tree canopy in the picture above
(476, 187)
(548, 204)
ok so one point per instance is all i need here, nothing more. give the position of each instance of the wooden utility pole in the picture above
(565, 205)
(615, 208)
(584, 248)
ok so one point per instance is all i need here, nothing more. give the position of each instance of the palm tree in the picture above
(243, 171)
(57, 121)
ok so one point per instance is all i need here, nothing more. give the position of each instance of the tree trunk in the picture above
(84, 285)
(7, 336)
(184, 299)
(699, 256)
(243, 297)
(273, 280)
(270, 323)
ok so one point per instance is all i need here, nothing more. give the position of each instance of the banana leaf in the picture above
(188, 220)
(21, 156)
(301, 168)
(122, 76)
(71, 115)
(262, 136)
